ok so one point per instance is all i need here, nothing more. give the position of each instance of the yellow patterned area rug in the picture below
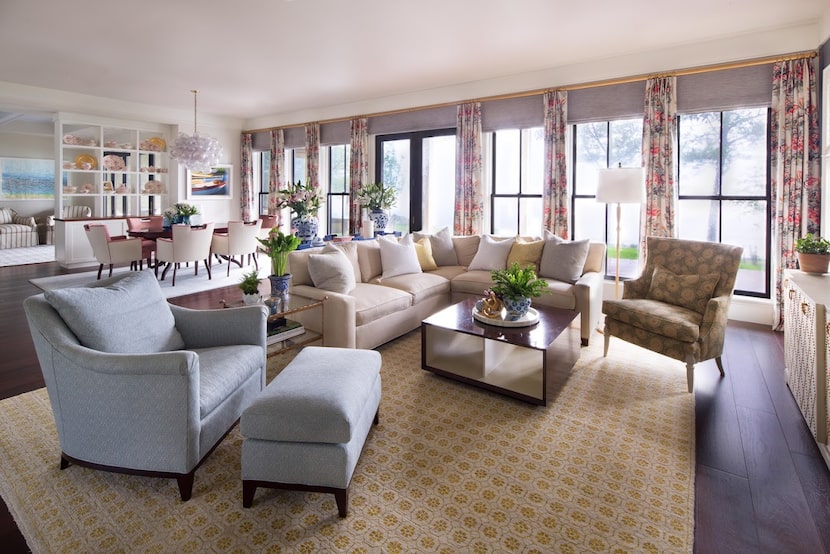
(607, 466)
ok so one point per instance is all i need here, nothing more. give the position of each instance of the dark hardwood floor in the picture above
(761, 484)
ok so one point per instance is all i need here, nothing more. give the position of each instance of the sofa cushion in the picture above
(368, 257)
(562, 259)
(443, 249)
(398, 257)
(423, 248)
(465, 249)
(526, 253)
(472, 282)
(688, 291)
(224, 369)
(492, 253)
(372, 302)
(331, 270)
(560, 295)
(126, 314)
(420, 285)
(6, 215)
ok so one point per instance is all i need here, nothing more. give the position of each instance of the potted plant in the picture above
(249, 285)
(277, 246)
(304, 202)
(377, 198)
(813, 253)
(515, 287)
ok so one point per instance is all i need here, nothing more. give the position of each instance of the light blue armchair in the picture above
(140, 386)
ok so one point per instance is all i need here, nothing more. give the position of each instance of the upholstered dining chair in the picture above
(149, 223)
(113, 250)
(188, 244)
(679, 304)
(240, 240)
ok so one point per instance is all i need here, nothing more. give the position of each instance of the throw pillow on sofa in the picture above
(562, 259)
(331, 270)
(398, 257)
(443, 250)
(423, 248)
(123, 314)
(526, 253)
(492, 253)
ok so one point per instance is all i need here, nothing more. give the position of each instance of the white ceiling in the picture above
(252, 58)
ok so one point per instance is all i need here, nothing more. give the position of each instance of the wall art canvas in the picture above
(26, 179)
(216, 183)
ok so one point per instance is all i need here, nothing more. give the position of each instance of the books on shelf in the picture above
(288, 329)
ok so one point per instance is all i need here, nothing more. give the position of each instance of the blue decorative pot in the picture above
(176, 220)
(305, 227)
(278, 301)
(380, 219)
(516, 308)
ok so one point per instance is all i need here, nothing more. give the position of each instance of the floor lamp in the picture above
(620, 185)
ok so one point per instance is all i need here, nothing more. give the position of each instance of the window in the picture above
(421, 166)
(600, 145)
(723, 188)
(338, 196)
(517, 175)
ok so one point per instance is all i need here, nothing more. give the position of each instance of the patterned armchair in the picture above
(679, 305)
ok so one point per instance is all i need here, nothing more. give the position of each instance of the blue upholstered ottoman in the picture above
(306, 429)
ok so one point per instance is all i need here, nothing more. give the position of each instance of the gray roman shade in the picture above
(604, 103)
(724, 90)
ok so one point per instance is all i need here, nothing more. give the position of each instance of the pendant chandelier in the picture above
(195, 152)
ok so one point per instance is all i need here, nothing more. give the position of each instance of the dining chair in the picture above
(148, 246)
(241, 239)
(188, 244)
(111, 250)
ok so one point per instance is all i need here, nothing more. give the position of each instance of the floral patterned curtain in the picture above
(276, 173)
(312, 154)
(469, 196)
(358, 168)
(659, 132)
(794, 166)
(247, 172)
(555, 200)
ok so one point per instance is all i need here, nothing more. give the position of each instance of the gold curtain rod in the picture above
(578, 86)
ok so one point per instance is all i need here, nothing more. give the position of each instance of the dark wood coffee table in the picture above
(529, 363)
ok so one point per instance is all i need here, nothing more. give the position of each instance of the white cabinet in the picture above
(72, 248)
(806, 353)
(116, 171)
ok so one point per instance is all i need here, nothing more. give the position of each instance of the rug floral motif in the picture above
(607, 466)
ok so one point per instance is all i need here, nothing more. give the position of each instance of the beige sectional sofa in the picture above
(380, 308)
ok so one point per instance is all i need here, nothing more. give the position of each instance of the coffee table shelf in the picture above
(525, 363)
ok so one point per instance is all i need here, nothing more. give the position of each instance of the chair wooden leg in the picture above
(229, 265)
(720, 366)
(100, 269)
(607, 338)
(175, 267)
(110, 274)
(207, 266)
(186, 485)
(690, 375)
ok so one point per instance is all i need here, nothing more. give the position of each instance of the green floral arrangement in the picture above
(181, 209)
(249, 284)
(516, 282)
(299, 198)
(376, 196)
(277, 246)
(809, 244)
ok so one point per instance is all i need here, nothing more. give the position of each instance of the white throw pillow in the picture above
(398, 258)
(492, 254)
(331, 270)
(562, 259)
(443, 250)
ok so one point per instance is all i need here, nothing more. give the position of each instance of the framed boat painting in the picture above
(216, 184)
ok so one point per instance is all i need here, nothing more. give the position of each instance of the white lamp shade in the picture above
(621, 185)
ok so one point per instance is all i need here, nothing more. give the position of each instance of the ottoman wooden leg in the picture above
(248, 491)
(341, 496)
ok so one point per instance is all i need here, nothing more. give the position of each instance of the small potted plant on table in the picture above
(249, 285)
(813, 253)
(515, 287)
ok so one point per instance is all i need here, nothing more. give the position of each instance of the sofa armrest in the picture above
(588, 293)
(339, 321)
(221, 327)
